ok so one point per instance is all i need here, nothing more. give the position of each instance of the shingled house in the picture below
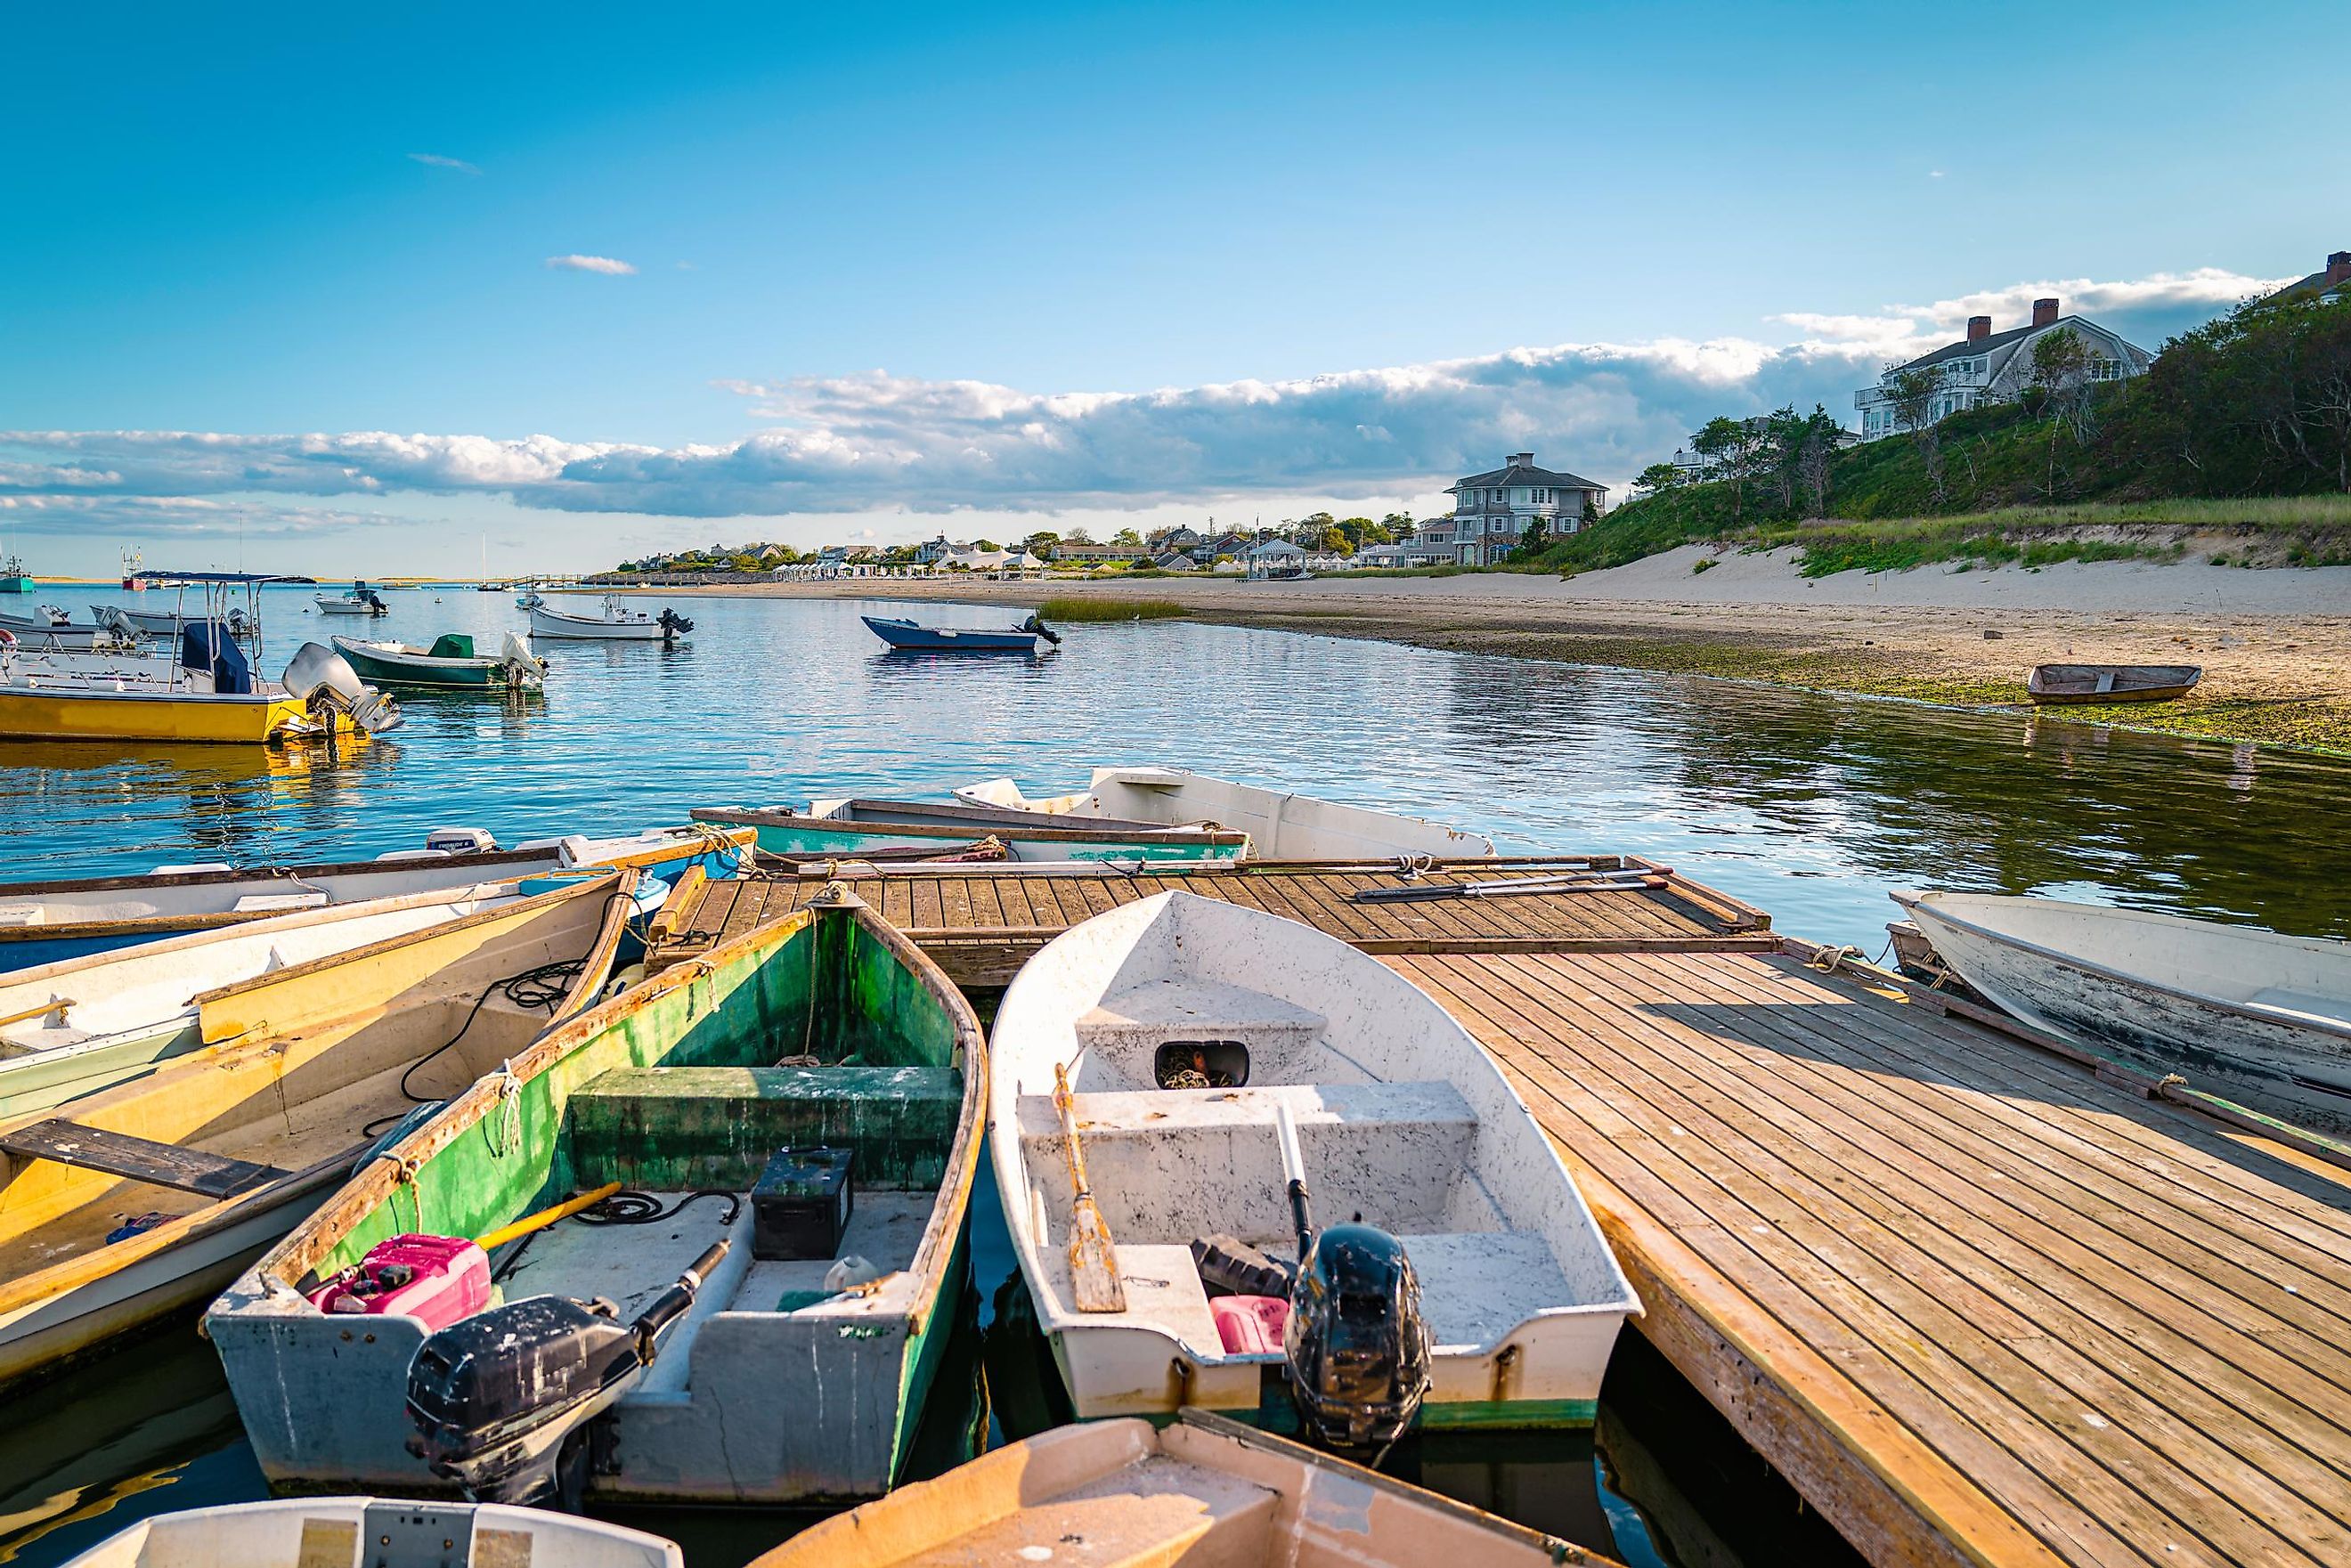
(1492, 510)
(1986, 366)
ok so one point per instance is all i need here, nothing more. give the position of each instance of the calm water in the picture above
(1812, 807)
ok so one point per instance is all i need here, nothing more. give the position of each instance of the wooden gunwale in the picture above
(1137, 833)
(1978, 1303)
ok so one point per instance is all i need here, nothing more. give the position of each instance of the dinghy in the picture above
(820, 1080)
(126, 1205)
(2064, 684)
(913, 637)
(48, 921)
(451, 661)
(1281, 826)
(1208, 1050)
(364, 1531)
(2249, 1015)
(853, 827)
(1204, 1490)
(617, 623)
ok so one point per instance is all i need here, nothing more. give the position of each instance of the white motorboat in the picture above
(358, 1531)
(169, 622)
(2246, 1014)
(1200, 1039)
(50, 629)
(617, 623)
(1280, 825)
(360, 600)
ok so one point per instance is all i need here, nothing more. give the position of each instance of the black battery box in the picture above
(801, 1202)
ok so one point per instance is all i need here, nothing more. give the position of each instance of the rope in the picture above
(503, 1127)
(1412, 868)
(544, 986)
(1829, 960)
(643, 1209)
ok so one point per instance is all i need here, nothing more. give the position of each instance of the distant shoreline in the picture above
(2274, 642)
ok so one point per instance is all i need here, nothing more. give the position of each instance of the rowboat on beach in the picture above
(912, 636)
(819, 1064)
(616, 623)
(1280, 825)
(1218, 1056)
(49, 921)
(1203, 1489)
(2066, 684)
(364, 1531)
(852, 826)
(449, 663)
(2255, 1017)
(125, 1204)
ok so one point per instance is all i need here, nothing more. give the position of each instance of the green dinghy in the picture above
(450, 662)
(825, 1028)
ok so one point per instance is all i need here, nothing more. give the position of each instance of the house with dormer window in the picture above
(1987, 367)
(1492, 510)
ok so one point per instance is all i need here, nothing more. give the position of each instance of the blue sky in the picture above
(886, 263)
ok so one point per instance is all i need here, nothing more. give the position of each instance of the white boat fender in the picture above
(849, 1272)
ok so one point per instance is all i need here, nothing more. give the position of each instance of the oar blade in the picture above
(1094, 1283)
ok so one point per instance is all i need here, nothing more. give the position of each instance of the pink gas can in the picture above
(1250, 1325)
(439, 1279)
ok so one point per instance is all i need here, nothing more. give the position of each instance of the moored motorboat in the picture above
(2250, 1014)
(51, 628)
(360, 600)
(1280, 825)
(47, 921)
(850, 827)
(170, 623)
(449, 663)
(819, 1064)
(616, 623)
(125, 1204)
(1203, 1489)
(1215, 1056)
(365, 1531)
(912, 636)
(2069, 683)
(13, 578)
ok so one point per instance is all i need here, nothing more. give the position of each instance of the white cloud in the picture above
(435, 160)
(843, 444)
(603, 263)
(172, 517)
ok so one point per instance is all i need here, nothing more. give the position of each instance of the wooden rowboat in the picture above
(912, 636)
(777, 1387)
(2250, 1014)
(1280, 825)
(49, 921)
(358, 1531)
(129, 1204)
(850, 827)
(1204, 1490)
(1400, 1116)
(2064, 684)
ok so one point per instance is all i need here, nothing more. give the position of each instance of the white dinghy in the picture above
(1281, 826)
(1400, 1118)
(2250, 1014)
(358, 1531)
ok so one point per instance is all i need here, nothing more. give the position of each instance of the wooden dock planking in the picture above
(1978, 1305)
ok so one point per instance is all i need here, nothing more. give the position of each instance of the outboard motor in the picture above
(673, 625)
(523, 666)
(322, 678)
(503, 1400)
(1037, 623)
(1356, 1344)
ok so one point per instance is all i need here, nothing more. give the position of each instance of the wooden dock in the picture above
(1979, 1299)
(1980, 1306)
(982, 922)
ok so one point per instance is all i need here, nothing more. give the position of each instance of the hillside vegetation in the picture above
(2236, 444)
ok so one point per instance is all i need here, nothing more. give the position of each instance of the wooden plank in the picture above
(139, 1159)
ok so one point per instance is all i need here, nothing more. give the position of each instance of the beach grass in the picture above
(1104, 607)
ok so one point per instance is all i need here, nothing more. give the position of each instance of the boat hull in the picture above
(908, 637)
(547, 622)
(187, 718)
(729, 1412)
(386, 669)
(2297, 1070)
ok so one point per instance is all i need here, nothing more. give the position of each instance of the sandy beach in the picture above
(2275, 644)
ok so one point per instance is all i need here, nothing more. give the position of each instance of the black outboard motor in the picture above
(673, 625)
(1037, 623)
(502, 1400)
(1357, 1346)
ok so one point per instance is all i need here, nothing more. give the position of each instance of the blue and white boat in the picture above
(49, 921)
(915, 637)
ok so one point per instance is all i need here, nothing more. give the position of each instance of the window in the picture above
(2105, 369)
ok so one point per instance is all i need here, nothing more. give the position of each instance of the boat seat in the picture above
(684, 1127)
(1142, 1016)
(141, 1159)
(1159, 1510)
(1167, 1165)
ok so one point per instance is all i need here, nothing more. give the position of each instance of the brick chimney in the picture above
(1523, 459)
(2044, 312)
(1979, 328)
(2338, 267)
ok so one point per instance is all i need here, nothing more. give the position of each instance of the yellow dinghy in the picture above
(129, 1204)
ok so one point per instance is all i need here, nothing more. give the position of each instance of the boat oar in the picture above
(1594, 882)
(1094, 1257)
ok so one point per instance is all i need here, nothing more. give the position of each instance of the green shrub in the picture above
(1108, 607)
